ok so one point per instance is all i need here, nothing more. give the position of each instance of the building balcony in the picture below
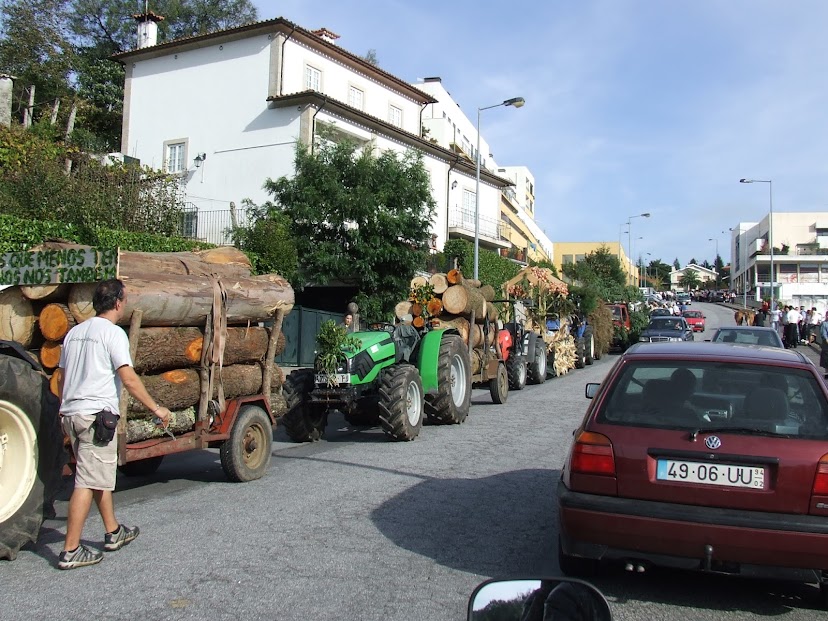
(491, 232)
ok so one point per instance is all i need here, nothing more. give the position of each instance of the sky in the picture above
(632, 106)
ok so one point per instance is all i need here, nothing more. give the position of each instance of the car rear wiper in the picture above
(755, 431)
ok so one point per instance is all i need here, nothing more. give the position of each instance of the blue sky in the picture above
(632, 106)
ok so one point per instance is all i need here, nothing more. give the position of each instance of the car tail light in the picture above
(821, 478)
(592, 454)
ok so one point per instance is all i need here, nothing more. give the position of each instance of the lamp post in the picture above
(770, 235)
(629, 230)
(516, 102)
(632, 255)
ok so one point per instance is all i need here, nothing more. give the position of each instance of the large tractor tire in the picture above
(499, 385)
(450, 406)
(31, 453)
(580, 360)
(245, 455)
(302, 421)
(589, 346)
(516, 369)
(536, 372)
(401, 402)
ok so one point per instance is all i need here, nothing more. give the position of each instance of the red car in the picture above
(695, 319)
(702, 456)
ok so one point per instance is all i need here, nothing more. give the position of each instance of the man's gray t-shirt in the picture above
(92, 353)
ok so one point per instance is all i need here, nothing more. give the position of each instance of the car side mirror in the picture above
(591, 390)
(538, 600)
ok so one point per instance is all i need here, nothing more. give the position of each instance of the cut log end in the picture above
(55, 321)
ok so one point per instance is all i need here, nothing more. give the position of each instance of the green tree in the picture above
(601, 269)
(359, 219)
(676, 264)
(659, 274)
(268, 241)
(492, 269)
(690, 280)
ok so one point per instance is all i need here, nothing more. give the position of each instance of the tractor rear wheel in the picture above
(589, 347)
(499, 385)
(536, 373)
(401, 402)
(580, 361)
(31, 453)
(303, 422)
(453, 399)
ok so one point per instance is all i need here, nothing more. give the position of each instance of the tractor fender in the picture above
(428, 355)
(504, 339)
(529, 343)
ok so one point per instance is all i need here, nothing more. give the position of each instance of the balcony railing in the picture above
(212, 226)
(464, 219)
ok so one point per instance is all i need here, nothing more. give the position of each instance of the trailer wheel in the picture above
(451, 403)
(142, 467)
(245, 455)
(536, 372)
(302, 421)
(499, 385)
(401, 402)
(31, 453)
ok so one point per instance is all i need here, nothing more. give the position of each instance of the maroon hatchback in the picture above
(705, 456)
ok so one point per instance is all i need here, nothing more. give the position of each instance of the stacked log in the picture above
(448, 300)
(176, 293)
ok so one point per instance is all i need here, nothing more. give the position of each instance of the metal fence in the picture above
(464, 219)
(212, 226)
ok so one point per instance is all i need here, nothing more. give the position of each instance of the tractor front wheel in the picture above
(499, 385)
(302, 421)
(536, 373)
(401, 402)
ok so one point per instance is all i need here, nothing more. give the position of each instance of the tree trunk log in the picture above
(488, 292)
(46, 293)
(454, 277)
(418, 322)
(461, 324)
(50, 354)
(434, 307)
(280, 344)
(17, 317)
(80, 301)
(171, 300)
(161, 349)
(461, 300)
(439, 282)
(138, 429)
(55, 321)
(416, 309)
(181, 388)
(418, 281)
(402, 309)
(53, 381)
(471, 283)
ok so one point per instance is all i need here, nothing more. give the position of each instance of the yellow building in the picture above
(528, 241)
(572, 252)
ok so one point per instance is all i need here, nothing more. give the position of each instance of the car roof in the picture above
(745, 329)
(705, 350)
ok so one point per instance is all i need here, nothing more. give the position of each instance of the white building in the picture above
(225, 110)
(702, 273)
(800, 242)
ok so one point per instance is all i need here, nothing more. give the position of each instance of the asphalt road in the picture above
(356, 527)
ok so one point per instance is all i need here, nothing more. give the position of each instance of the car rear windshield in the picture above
(665, 323)
(694, 314)
(746, 337)
(745, 398)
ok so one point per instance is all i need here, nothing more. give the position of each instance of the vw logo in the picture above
(712, 442)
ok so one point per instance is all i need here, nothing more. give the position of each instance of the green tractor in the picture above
(394, 378)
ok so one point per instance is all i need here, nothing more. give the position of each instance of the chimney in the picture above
(6, 85)
(147, 28)
(326, 35)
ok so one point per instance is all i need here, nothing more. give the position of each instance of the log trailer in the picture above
(203, 334)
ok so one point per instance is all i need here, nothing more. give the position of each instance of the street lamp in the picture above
(629, 230)
(770, 234)
(632, 260)
(515, 102)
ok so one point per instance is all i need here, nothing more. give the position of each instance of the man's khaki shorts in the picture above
(96, 463)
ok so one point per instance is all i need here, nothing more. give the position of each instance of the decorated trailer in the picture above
(203, 334)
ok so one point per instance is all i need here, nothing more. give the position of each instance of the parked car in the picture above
(748, 335)
(696, 319)
(705, 457)
(661, 312)
(664, 329)
(684, 298)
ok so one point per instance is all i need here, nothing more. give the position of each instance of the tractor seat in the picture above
(405, 340)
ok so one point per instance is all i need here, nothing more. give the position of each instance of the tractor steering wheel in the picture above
(381, 326)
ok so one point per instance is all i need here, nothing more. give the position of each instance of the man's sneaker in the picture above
(80, 557)
(121, 537)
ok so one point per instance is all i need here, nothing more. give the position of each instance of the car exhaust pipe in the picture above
(637, 568)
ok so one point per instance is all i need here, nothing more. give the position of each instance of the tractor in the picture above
(395, 377)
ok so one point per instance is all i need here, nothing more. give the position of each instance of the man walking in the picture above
(95, 363)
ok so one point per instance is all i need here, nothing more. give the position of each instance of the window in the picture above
(313, 78)
(468, 206)
(395, 116)
(175, 156)
(355, 97)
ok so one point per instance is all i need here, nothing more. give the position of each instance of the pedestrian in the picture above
(803, 317)
(814, 321)
(792, 332)
(823, 345)
(348, 322)
(775, 318)
(95, 363)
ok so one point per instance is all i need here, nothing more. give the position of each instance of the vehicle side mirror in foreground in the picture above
(544, 599)
(591, 390)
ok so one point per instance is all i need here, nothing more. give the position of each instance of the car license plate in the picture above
(729, 475)
(336, 379)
